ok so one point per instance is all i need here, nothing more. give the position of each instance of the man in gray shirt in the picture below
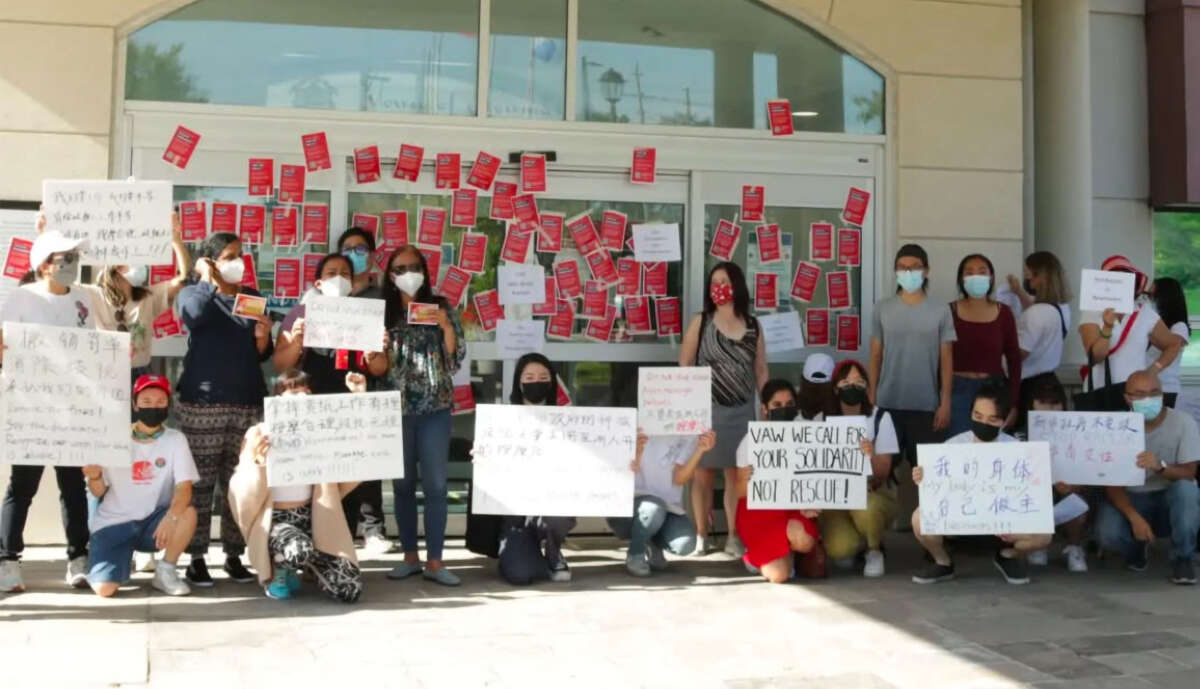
(1169, 501)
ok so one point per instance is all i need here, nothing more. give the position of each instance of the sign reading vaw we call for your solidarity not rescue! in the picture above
(808, 464)
(125, 223)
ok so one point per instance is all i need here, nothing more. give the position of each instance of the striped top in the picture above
(732, 362)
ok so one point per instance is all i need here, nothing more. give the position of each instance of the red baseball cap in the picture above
(151, 380)
(1122, 264)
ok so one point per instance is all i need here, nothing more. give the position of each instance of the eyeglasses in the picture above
(361, 250)
(403, 268)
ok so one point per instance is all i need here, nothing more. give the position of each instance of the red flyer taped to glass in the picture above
(251, 224)
(550, 306)
(637, 315)
(804, 284)
(17, 263)
(367, 222)
(612, 230)
(666, 312)
(525, 208)
(595, 299)
(285, 226)
(654, 279)
(472, 252)
(167, 325)
(502, 201)
(291, 184)
(261, 177)
(550, 232)
(820, 241)
(314, 224)
(395, 230)
(562, 324)
(837, 285)
(725, 240)
(779, 117)
(583, 233)
(753, 202)
(463, 207)
(193, 221)
(483, 171)
(857, 201)
(570, 284)
(454, 285)
(181, 147)
(487, 307)
(447, 170)
(766, 291)
(516, 245)
(287, 278)
(769, 249)
(464, 400)
(600, 329)
(600, 264)
(816, 327)
(629, 276)
(366, 164)
(643, 168)
(847, 332)
(250, 275)
(433, 261)
(224, 216)
(311, 261)
(316, 151)
(408, 162)
(162, 273)
(849, 247)
(431, 226)
(533, 173)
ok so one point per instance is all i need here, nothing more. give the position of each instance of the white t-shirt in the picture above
(33, 303)
(1131, 357)
(139, 318)
(656, 476)
(148, 483)
(888, 443)
(1169, 376)
(969, 437)
(1040, 332)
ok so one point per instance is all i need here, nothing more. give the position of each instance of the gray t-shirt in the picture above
(1175, 441)
(911, 336)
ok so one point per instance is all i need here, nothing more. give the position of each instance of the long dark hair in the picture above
(840, 373)
(962, 265)
(741, 293)
(394, 311)
(1170, 302)
(515, 397)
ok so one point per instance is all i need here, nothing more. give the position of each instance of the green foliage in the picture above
(1176, 248)
(151, 74)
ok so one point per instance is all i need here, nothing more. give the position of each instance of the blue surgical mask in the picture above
(977, 285)
(357, 260)
(910, 280)
(1149, 407)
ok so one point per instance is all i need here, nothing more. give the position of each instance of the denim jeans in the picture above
(1174, 511)
(427, 445)
(22, 486)
(652, 522)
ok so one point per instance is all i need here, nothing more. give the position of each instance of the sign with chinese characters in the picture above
(1092, 448)
(674, 400)
(125, 223)
(986, 489)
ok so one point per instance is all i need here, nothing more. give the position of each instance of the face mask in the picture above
(1028, 287)
(232, 271)
(1149, 407)
(336, 286)
(67, 271)
(977, 285)
(910, 280)
(537, 392)
(852, 394)
(721, 294)
(359, 261)
(137, 276)
(784, 413)
(409, 283)
(985, 431)
(150, 417)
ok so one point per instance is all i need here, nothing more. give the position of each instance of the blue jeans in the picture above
(962, 399)
(653, 523)
(1174, 511)
(426, 443)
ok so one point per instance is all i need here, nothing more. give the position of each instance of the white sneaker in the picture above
(144, 562)
(376, 544)
(702, 547)
(10, 577)
(1076, 559)
(1038, 558)
(166, 579)
(77, 571)
(874, 564)
(655, 557)
(734, 547)
(559, 572)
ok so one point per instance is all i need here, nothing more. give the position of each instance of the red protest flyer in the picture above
(583, 233)
(262, 177)
(550, 306)
(431, 226)
(725, 240)
(566, 275)
(366, 164)
(595, 299)
(849, 247)
(433, 261)
(643, 168)
(600, 264)
(167, 325)
(483, 171)
(316, 151)
(525, 208)
(284, 226)
(287, 278)
(654, 279)
(163, 273)
(454, 285)
(315, 224)
(17, 263)
(637, 315)
(562, 323)
(857, 201)
(311, 261)
(612, 230)
(769, 249)
(502, 201)
(600, 329)
(462, 207)
(252, 223)
(629, 276)
(666, 312)
(816, 327)
(180, 148)
(820, 241)
(366, 221)
(193, 220)
(804, 284)
(779, 117)
(291, 184)
(550, 232)
(472, 252)
(516, 245)
(447, 170)
(766, 291)
(488, 308)
(464, 400)
(250, 275)
(563, 399)
(533, 173)
(408, 162)
(753, 203)
(224, 216)
(847, 332)
(837, 284)
(395, 230)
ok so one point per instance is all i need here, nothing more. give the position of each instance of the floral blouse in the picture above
(421, 368)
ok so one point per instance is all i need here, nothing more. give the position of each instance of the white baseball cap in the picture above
(52, 242)
(818, 368)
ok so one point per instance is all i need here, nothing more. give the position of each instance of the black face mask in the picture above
(852, 394)
(536, 393)
(1028, 286)
(985, 431)
(786, 413)
(151, 417)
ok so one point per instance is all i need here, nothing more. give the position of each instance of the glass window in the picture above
(404, 56)
(528, 59)
(1176, 244)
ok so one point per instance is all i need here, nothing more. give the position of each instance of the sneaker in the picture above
(197, 573)
(404, 570)
(702, 547)
(1140, 558)
(873, 566)
(637, 566)
(77, 570)
(278, 589)
(166, 579)
(559, 572)
(1038, 558)
(1183, 572)
(655, 557)
(441, 576)
(1014, 569)
(933, 573)
(1076, 559)
(734, 547)
(237, 571)
(376, 543)
(293, 581)
(144, 562)
(10, 577)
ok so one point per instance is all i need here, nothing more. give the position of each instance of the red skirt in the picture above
(764, 532)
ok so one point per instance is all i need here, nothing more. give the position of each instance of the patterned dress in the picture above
(420, 367)
(734, 387)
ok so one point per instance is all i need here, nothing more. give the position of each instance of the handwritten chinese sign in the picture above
(808, 465)
(344, 323)
(125, 223)
(675, 400)
(1092, 448)
(986, 489)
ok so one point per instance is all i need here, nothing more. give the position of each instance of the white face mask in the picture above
(232, 271)
(336, 286)
(137, 275)
(409, 283)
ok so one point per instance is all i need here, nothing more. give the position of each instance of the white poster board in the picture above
(1092, 448)
(808, 464)
(517, 337)
(521, 283)
(986, 489)
(18, 224)
(1106, 289)
(553, 461)
(353, 323)
(674, 400)
(657, 242)
(782, 331)
(353, 436)
(65, 396)
(124, 222)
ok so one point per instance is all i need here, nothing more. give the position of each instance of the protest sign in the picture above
(820, 241)
(515, 338)
(1092, 448)
(550, 232)
(343, 323)
(666, 312)
(502, 201)
(779, 117)
(817, 327)
(366, 164)
(483, 172)
(753, 202)
(408, 162)
(1106, 289)
(656, 242)
(334, 438)
(249, 306)
(261, 176)
(674, 400)
(643, 168)
(808, 465)
(533, 172)
(782, 331)
(316, 151)
(612, 230)
(181, 146)
(447, 170)
(17, 232)
(981, 489)
(521, 283)
(126, 223)
(725, 240)
(472, 252)
(855, 210)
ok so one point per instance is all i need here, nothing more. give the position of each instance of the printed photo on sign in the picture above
(422, 314)
(126, 223)
(983, 489)
(1092, 448)
(249, 306)
(674, 400)
(806, 465)
(352, 323)
(308, 438)
(1106, 289)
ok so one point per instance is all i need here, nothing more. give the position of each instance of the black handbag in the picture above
(483, 530)
(1111, 397)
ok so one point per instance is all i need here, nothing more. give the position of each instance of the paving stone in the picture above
(1126, 643)
(1142, 663)
(1184, 679)
(1188, 656)
(1053, 660)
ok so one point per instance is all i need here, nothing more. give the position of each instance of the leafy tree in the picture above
(154, 74)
